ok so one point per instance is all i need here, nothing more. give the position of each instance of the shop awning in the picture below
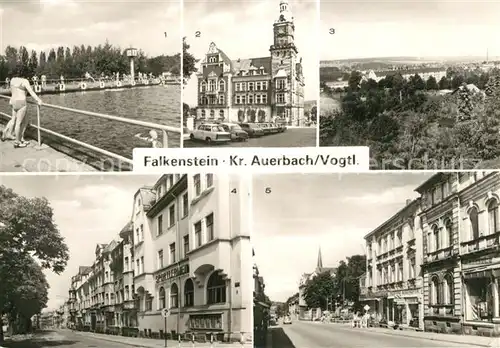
(483, 273)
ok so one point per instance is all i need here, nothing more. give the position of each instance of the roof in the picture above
(110, 246)
(84, 270)
(408, 208)
(245, 64)
(148, 197)
(430, 182)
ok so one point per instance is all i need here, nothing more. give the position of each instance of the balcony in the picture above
(482, 243)
(440, 254)
(441, 309)
(212, 255)
(129, 304)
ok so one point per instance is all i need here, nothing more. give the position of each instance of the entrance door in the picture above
(93, 321)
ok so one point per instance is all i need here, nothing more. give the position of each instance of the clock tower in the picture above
(286, 69)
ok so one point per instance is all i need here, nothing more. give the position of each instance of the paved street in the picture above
(307, 334)
(67, 338)
(293, 137)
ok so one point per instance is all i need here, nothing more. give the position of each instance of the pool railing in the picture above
(165, 130)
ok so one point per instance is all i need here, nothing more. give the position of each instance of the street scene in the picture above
(259, 95)
(125, 260)
(417, 265)
(73, 70)
(424, 103)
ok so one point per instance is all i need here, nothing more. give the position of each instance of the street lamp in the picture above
(131, 54)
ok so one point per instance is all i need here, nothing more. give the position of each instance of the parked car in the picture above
(282, 127)
(274, 127)
(211, 132)
(237, 133)
(252, 129)
(265, 127)
(287, 320)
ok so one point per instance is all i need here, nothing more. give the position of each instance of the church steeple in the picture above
(319, 265)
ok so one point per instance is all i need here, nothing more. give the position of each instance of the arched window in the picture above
(474, 223)
(216, 289)
(174, 296)
(189, 293)
(203, 87)
(221, 114)
(222, 86)
(161, 298)
(437, 241)
(448, 226)
(212, 113)
(493, 216)
(434, 293)
(212, 85)
(221, 99)
(448, 289)
(203, 113)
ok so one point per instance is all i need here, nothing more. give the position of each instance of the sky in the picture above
(244, 29)
(370, 28)
(44, 24)
(304, 212)
(87, 210)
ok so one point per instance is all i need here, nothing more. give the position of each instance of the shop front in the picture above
(481, 297)
(405, 308)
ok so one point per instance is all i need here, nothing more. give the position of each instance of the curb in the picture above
(172, 343)
(433, 339)
(440, 340)
(104, 338)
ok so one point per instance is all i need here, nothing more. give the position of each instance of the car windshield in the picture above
(218, 129)
(236, 127)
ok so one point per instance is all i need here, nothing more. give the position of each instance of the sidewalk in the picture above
(155, 343)
(37, 159)
(480, 341)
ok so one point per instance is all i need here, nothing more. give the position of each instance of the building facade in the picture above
(186, 250)
(266, 89)
(393, 281)
(304, 312)
(461, 240)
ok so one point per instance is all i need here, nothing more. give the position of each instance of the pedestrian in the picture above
(19, 86)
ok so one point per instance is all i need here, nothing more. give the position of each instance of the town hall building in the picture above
(266, 89)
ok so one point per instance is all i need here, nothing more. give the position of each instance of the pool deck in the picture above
(37, 159)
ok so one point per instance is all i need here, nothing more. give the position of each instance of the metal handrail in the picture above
(164, 129)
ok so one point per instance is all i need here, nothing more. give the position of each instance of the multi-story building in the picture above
(79, 293)
(193, 256)
(261, 89)
(304, 311)
(261, 309)
(128, 318)
(393, 281)
(424, 72)
(186, 250)
(461, 232)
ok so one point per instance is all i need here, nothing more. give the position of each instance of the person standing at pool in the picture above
(19, 121)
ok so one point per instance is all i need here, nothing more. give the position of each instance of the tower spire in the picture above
(319, 266)
(285, 12)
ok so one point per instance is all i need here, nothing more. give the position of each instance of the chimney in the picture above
(408, 201)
